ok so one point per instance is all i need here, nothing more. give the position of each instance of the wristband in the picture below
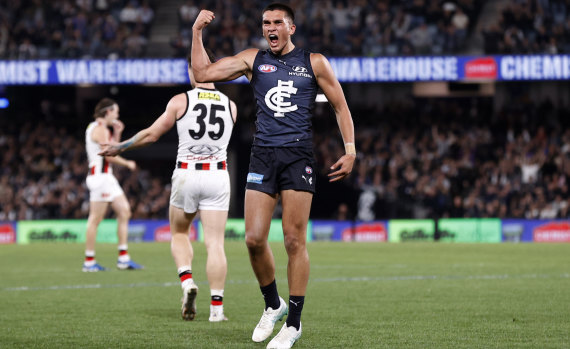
(349, 149)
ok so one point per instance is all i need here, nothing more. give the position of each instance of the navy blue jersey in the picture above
(285, 88)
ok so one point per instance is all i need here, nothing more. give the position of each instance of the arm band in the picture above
(349, 149)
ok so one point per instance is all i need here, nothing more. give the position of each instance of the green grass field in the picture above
(361, 295)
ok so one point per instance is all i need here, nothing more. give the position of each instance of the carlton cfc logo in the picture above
(267, 68)
(308, 169)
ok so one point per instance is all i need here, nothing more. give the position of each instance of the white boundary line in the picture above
(317, 280)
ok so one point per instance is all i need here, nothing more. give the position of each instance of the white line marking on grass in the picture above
(318, 280)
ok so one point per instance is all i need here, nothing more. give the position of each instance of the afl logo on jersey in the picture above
(308, 169)
(267, 68)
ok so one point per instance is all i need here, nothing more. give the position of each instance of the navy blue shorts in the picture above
(273, 169)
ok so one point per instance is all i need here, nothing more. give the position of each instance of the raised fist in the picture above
(204, 18)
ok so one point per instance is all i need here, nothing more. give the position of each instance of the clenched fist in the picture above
(204, 18)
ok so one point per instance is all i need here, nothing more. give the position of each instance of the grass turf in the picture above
(360, 295)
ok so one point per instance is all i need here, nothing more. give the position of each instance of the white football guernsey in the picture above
(97, 163)
(205, 129)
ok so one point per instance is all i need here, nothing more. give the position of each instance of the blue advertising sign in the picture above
(120, 71)
(395, 69)
(329, 230)
(347, 69)
(522, 230)
(452, 68)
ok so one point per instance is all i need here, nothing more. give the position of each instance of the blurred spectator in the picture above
(342, 213)
(27, 50)
(135, 43)
(130, 14)
(420, 38)
(186, 16)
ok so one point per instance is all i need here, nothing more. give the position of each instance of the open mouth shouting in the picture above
(273, 40)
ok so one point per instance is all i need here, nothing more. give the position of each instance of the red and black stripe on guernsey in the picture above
(104, 167)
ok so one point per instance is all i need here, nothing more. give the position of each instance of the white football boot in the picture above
(189, 301)
(264, 328)
(285, 338)
(217, 313)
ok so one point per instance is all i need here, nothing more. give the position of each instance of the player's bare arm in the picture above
(228, 68)
(102, 136)
(333, 91)
(174, 110)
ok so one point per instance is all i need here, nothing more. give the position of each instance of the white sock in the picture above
(216, 292)
(184, 268)
(89, 253)
(124, 258)
(186, 282)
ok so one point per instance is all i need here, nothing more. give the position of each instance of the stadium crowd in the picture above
(32, 29)
(341, 27)
(437, 158)
(417, 158)
(531, 26)
(36, 29)
(39, 29)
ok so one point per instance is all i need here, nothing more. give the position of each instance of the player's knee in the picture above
(94, 220)
(124, 213)
(214, 247)
(253, 241)
(293, 243)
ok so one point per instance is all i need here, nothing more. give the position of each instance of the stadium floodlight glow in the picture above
(4, 103)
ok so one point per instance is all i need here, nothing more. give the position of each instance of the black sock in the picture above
(270, 295)
(295, 309)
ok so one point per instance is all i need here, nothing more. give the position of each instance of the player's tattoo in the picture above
(128, 143)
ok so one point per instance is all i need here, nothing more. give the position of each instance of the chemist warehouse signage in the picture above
(376, 69)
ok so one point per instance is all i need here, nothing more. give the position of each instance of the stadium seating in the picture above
(74, 29)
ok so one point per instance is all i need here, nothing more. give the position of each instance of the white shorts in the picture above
(194, 190)
(103, 187)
